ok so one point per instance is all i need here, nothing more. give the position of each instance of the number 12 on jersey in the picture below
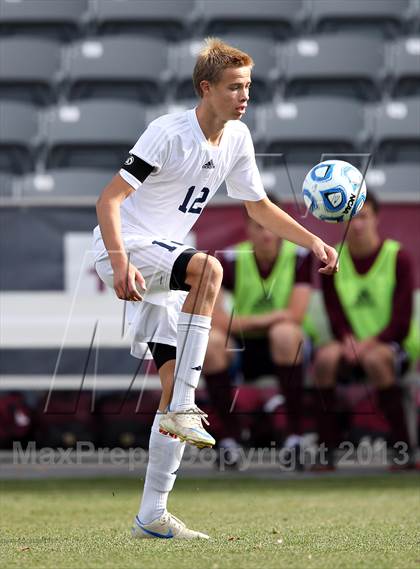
(199, 200)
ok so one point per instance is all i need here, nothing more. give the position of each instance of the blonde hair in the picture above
(214, 58)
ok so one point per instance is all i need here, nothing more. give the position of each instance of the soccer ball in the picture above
(334, 191)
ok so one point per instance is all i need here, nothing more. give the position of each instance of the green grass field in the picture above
(313, 523)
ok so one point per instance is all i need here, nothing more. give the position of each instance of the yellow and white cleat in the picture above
(187, 426)
(165, 527)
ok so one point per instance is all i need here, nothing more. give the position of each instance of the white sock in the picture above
(165, 455)
(192, 340)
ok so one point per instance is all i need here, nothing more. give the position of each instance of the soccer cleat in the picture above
(187, 426)
(165, 527)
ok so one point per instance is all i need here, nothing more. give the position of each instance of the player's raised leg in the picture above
(184, 418)
(165, 455)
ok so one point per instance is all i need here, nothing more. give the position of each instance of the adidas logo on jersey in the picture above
(208, 165)
(364, 299)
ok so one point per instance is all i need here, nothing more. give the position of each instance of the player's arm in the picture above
(231, 324)
(108, 211)
(302, 289)
(299, 302)
(279, 222)
(340, 326)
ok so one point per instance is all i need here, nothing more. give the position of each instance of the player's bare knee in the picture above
(377, 359)
(213, 272)
(213, 278)
(328, 354)
(284, 330)
(206, 272)
(286, 341)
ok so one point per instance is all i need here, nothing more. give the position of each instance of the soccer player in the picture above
(270, 282)
(369, 305)
(144, 215)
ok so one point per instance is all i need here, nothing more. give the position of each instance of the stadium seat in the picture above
(92, 134)
(405, 67)
(307, 127)
(262, 50)
(397, 131)
(395, 182)
(117, 67)
(64, 184)
(60, 19)
(169, 107)
(6, 185)
(344, 64)
(183, 59)
(285, 182)
(251, 119)
(375, 17)
(18, 136)
(167, 18)
(413, 18)
(266, 70)
(266, 17)
(182, 64)
(29, 67)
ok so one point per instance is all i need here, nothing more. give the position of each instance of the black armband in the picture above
(137, 167)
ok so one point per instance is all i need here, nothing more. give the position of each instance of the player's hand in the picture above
(363, 346)
(277, 316)
(327, 255)
(264, 321)
(354, 350)
(128, 282)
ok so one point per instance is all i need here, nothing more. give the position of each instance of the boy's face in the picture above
(364, 226)
(228, 97)
(262, 239)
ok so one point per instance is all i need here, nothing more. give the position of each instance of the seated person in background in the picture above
(369, 305)
(270, 281)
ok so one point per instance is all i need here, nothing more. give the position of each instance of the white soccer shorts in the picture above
(155, 319)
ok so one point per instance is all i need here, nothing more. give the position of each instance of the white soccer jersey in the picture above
(187, 173)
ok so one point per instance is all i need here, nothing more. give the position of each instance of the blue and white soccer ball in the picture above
(334, 191)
